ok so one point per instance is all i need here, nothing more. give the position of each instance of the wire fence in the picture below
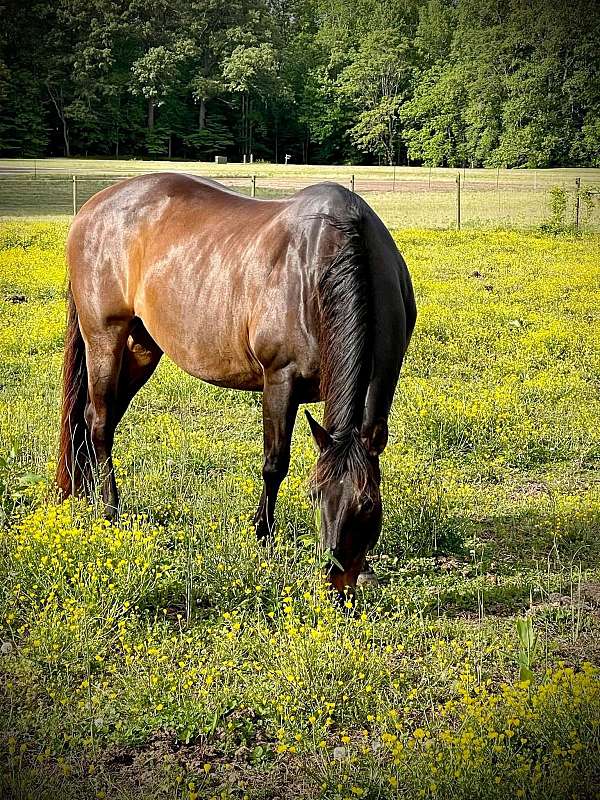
(418, 198)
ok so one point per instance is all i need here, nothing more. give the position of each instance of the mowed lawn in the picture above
(172, 656)
(415, 197)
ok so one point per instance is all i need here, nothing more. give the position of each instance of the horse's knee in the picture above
(275, 468)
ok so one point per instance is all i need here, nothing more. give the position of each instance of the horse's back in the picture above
(128, 231)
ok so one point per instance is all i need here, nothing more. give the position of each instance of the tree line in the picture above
(435, 82)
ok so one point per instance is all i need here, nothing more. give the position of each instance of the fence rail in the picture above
(426, 198)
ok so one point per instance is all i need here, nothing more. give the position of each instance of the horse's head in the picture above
(346, 486)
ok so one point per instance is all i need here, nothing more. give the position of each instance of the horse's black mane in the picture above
(344, 342)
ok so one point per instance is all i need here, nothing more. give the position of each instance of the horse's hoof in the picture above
(264, 532)
(111, 513)
(367, 578)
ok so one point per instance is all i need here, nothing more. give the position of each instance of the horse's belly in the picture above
(228, 373)
(209, 349)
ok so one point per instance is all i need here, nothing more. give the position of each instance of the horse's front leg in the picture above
(279, 413)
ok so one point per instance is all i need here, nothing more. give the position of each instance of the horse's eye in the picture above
(367, 505)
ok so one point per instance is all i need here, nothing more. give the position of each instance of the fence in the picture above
(404, 198)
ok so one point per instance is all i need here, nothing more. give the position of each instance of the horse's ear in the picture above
(320, 435)
(375, 437)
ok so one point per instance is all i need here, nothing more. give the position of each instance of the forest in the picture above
(490, 83)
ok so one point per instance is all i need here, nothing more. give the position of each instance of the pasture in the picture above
(172, 656)
(416, 197)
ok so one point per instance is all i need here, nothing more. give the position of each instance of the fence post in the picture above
(74, 195)
(498, 188)
(458, 201)
(352, 183)
(577, 201)
(253, 187)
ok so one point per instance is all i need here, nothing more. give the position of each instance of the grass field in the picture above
(174, 657)
(407, 197)
(120, 167)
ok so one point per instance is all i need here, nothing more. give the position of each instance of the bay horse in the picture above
(304, 299)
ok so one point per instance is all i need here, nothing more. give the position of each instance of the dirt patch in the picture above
(532, 489)
(590, 592)
(280, 777)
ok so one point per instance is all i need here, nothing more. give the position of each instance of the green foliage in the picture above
(435, 82)
(17, 486)
(376, 81)
(527, 648)
(562, 205)
(558, 208)
(434, 129)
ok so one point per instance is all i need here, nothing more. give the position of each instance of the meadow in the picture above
(172, 656)
(415, 197)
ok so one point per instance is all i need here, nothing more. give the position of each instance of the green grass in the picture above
(415, 197)
(120, 167)
(174, 657)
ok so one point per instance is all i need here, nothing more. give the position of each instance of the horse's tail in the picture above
(74, 457)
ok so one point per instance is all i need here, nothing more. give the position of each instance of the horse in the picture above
(302, 299)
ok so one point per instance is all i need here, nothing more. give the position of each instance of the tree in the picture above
(488, 82)
(378, 81)
(251, 72)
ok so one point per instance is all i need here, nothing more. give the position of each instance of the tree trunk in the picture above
(66, 137)
(59, 105)
(202, 114)
(170, 145)
(390, 142)
(243, 109)
(249, 126)
(150, 113)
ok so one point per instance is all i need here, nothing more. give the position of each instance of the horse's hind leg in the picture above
(120, 359)
(104, 354)
(140, 358)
